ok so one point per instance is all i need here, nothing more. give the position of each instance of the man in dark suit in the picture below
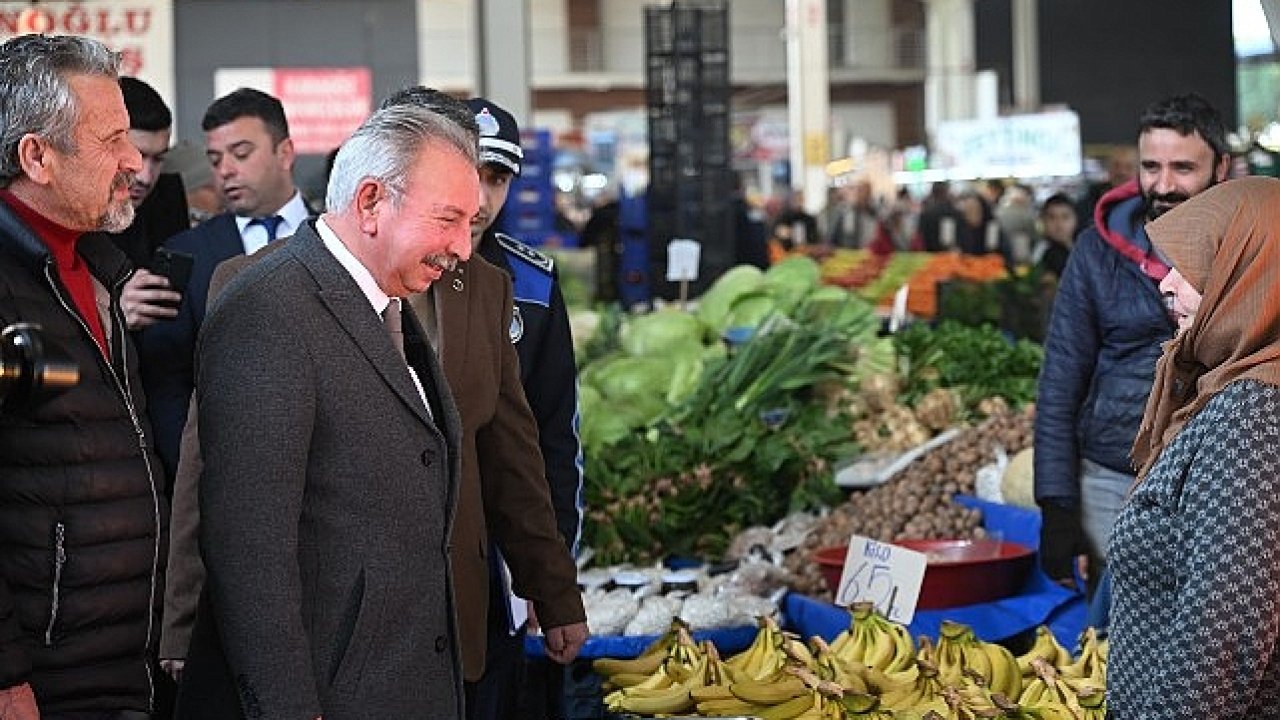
(247, 142)
(331, 447)
(503, 495)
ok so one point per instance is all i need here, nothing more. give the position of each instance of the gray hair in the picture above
(385, 147)
(35, 92)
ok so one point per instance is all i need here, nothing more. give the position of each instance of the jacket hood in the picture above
(1119, 220)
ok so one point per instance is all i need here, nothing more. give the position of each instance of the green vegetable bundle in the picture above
(747, 445)
(978, 362)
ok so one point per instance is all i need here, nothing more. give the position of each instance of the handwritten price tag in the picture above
(682, 260)
(885, 575)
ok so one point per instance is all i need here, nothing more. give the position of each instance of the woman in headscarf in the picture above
(1196, 551)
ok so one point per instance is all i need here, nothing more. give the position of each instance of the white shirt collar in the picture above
(292, 214)
(377, 298)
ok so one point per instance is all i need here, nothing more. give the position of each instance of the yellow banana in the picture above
(1093, 703)
(798, 652)
(976, 660)
(976, 698)
(880, 654)
(779, 689)
(790, 709)
(904, 654)
(727, 707)
(644, 664)
(1005, 676)
(1049, 711)
(1033, 693)
(649, 659)
(711, 692)
(843, 638)
(758, 645)
(1046, 647)
(626, 679)
(924, 689)
(676, 699)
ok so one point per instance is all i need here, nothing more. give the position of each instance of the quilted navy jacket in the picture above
(1104, 338)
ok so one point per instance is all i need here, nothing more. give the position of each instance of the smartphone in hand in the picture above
(174, 265)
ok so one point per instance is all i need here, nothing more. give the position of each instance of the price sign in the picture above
(885, 575)
(682, 260)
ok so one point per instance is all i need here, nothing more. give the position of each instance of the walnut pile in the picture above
(916, 503)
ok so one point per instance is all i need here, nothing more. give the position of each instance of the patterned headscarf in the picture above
(1226, 243)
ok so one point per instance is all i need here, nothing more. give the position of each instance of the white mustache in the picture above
(445, 262)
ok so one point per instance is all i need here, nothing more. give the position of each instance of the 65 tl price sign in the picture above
(884, 575)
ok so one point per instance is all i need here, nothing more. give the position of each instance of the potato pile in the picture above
(916, 503)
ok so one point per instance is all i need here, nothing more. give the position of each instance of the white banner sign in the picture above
(140, 30)
(1039, 145)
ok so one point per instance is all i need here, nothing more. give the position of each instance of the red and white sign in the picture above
(140, 30)
(323, 105)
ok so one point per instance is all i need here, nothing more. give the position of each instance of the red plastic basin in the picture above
(958, 572)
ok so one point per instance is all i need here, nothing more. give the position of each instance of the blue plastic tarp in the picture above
(1041, 601)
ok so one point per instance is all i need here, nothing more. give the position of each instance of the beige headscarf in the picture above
(1226, 243)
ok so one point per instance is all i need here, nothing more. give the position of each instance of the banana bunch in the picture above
(765, 655)
(829, 666)
(793, 692)
(668, 689)
(921, 694)
(874, 640)
(1046, 648)
(1009, 710)
(961, 653)
(1089, 670)
(620, 673)
(969, 701)
(1048, 688)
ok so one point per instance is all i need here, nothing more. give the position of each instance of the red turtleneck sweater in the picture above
(71, 267)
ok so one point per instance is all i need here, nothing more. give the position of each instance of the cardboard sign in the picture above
(884, 575)
(682, 260)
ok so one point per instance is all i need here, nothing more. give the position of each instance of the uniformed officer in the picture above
(540, 332)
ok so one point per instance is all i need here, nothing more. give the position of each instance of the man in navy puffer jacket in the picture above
(1108, 323)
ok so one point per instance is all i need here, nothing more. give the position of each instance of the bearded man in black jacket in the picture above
(82, 522)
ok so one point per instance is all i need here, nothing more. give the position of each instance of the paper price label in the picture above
(682, 260)
(884, 575)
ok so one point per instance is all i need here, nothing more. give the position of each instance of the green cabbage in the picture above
(717, 301)
(792, 279)
(659, 334)
(750, 310)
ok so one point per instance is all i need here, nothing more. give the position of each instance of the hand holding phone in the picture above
(173, 265)
(148, 298)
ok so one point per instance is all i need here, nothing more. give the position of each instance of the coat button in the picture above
(441, 643)
(428, 457)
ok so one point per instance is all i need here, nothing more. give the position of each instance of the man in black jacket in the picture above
(81, 518)
(1105, 335)
(159, 199)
